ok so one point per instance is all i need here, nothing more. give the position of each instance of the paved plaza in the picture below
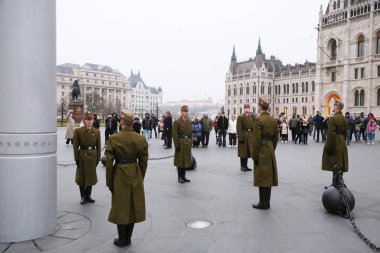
(222, 195)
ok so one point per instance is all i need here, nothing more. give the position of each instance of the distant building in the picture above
(290, 89)
(349, 56)
(144, 98)
(115, 90)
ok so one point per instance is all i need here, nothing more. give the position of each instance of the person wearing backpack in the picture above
(197, 132)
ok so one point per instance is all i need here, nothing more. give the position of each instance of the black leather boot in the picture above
(184, 176)
(129, 231)
(242, 167)
(88, 195)
(180, 179)
(121, 241)
(264, 196)
(82, 190)
(246, 164)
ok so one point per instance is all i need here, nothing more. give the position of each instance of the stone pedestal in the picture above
(78, 110)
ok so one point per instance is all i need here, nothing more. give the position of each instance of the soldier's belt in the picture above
(87, 148)
(124, 162)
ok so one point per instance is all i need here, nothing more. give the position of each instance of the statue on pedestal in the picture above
(75, 91)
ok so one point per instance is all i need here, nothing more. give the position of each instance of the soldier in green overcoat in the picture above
(182, 133)
(265, 138)
(126, 164)
(86, 143)
(244, 128)
(335, 155)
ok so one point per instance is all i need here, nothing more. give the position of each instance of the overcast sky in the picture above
(184, 46)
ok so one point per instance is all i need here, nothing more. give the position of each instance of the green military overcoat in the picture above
(182, 133)
(265, 138)
(126, 180)
(244, 129)
(335, 155)
(88, 159)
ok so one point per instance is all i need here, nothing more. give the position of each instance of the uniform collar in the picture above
(264, 113)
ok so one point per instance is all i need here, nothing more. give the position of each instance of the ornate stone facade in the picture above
(348, 56)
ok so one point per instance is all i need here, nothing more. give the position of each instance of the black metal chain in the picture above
(352, 219)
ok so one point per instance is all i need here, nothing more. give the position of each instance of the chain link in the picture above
(348, 214)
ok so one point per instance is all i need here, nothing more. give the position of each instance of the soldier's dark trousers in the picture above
(244, 164)
(182, 175)
(169, 139)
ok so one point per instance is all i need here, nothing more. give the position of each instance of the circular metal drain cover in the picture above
(198, 224)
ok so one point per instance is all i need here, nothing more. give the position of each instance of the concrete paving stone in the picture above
(3, 246)
(270, 244)
(22, 247)
(50, 242)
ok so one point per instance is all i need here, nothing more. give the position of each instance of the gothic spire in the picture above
(233, 57)
(259, 51)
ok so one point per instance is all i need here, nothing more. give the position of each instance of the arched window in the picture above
(241, 89)
(297, 88)
(247, 89)
(312, 86)
(304, 110)
(307, 86)
(293, 89)
(333, 50)
(361, 98)
(286, 110)
(287, 89)
(303, 87)
(334, 5)
(254, 89)
(356, 98)
(269, 89)
(378, 42)
(275, 89)
(284, 89)
(229, 91)
(262, 89)
(338, 6)
(235, 91)
(360, 43)
(378, 96)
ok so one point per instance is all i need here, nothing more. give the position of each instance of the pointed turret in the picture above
(321, 11)
(259, 50)
(233, 57)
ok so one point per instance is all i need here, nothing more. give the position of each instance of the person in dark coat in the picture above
(126, 165)
(86, 144)
(110, 123)
(223, 127)
(154, 126)
(137, 125)
(319, 125)
(96, 123)
(265, 138)
(147, 126)
(182, 138)
(168, 127)
(335, 154)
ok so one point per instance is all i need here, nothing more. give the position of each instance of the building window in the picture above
(362, 73)
(287, 88)
(63, 93)
(294, 110)
(254, 89)
(356, 73)
(378, 96)
(333, 50)
(303, 87)
(359, 98)
(360, 44)
(333, 76)
(235, 91)
(262, 89)
(241, 90)
(293, 89)
(378, 42)
(247, 89)
(304, 110)
(63, 86)
(229, 91)
(307, 86)
(284, 89)
(297, 88)
(241, 111)
(269, 89)
(334, 6)
(378, 70)
(312, 86)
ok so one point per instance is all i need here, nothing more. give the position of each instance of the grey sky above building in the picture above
(185, 46)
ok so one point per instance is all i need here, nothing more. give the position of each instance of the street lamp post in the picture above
(62, 112)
